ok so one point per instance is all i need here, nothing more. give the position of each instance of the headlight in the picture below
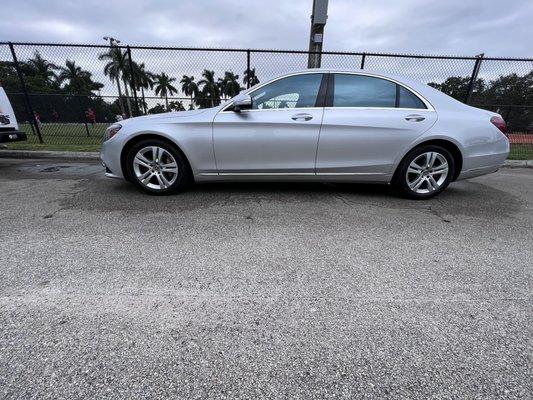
(111, 131)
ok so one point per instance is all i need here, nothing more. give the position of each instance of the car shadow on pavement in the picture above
(465, 198)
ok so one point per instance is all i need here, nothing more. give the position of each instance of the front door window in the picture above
(297, 91)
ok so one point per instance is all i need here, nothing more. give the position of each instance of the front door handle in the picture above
(415, 117)
(302, 117)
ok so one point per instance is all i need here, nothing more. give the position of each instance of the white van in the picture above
(9, 129)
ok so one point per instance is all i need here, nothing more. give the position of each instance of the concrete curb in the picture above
(79, 155)
(518, 164)
(74, 155)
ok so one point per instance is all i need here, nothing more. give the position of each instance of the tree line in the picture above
(206, 92)
(509, 95)
(80, 91)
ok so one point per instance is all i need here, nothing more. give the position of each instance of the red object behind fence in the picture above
(520, 138)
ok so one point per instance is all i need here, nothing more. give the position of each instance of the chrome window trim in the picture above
(338, 108)
(422, 98)
(277, 109)
(380, 108)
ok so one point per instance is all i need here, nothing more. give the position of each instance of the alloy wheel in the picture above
(155, 167)
(427, 172)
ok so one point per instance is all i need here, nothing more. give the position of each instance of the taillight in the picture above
(499, 123)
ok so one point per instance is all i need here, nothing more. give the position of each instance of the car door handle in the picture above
(302, 117)
(415, 117)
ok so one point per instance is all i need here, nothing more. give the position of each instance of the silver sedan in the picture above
(314, 125)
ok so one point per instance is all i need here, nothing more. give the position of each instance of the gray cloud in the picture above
(415, 26)
(455, 27)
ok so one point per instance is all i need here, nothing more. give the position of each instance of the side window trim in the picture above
(322, 91)
(331, 92)
(397, 100)
(327, 100)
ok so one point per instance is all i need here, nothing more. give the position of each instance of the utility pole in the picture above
(111, 40)
(316, 37)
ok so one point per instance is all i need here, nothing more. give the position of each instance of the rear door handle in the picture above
(302, 117)
(415, 117)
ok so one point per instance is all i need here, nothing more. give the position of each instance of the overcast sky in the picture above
(462, 27)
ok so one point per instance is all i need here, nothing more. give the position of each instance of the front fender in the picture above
(194, 139)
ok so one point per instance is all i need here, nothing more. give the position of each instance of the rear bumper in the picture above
(472, 173)
(482, 165)
(12, 136)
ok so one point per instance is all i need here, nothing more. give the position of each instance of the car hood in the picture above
(163, 116)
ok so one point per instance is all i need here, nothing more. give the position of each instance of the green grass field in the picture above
(62, 137)
(73, 137)
(521, 152)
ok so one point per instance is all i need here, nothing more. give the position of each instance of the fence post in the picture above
(25, 92)
(248, 69)
(132, 80)
(363, 61)
(473, 78)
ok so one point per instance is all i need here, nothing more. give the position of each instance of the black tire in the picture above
(400, 177)
(183, 178)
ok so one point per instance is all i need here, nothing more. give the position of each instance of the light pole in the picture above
(112, 40)
(316, 37)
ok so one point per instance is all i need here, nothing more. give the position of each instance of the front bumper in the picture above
(12, 136)
(110, 156)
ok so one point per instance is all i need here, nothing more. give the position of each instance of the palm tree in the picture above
(78, 80)
(210, 89)
(229, 85)
(250, 77)
(143, 79)
(189, 88)
(116, 69)
(41, 67)
(164, 87)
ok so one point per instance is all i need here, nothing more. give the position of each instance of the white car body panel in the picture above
(266, 141)
(365, 142)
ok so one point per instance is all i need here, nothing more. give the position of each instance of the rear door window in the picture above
(352, 90)
(409, 99)
(363, 91)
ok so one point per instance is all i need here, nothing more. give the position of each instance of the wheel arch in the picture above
(449, 145)
(144, 136)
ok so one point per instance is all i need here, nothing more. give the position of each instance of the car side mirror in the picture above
(244, 103)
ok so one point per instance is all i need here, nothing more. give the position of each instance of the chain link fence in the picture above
(65, 95)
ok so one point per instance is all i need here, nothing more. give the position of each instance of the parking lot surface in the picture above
(262, 290)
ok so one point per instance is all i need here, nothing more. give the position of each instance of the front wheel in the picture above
(157, 167)
(425, 172)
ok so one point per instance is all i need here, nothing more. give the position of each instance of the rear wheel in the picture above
(425, 172)
(157, 167)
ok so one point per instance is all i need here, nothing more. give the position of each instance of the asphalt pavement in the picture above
(262, 290)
